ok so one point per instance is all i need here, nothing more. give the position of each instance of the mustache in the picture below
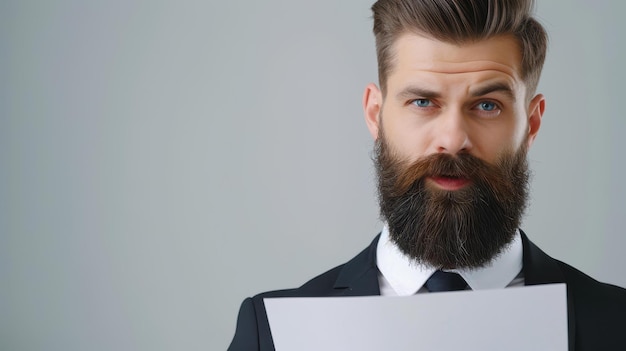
(464, 166)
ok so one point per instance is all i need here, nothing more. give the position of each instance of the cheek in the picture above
(488, 139)
(408, 144)
(496, 142)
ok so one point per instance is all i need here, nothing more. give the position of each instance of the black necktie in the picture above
(445, 281)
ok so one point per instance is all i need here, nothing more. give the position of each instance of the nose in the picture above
(451, 134)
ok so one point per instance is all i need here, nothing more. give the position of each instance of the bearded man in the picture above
(452, 120)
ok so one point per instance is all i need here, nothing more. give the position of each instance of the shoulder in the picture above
(589, 293)
(540, 268)
(588, 296)
(253, 331)
(589, 284)
(358, 275)
(320, 285)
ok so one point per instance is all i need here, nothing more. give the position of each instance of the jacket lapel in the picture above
(359, 276)
(539, 268)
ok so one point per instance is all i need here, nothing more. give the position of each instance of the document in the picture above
(523, 318)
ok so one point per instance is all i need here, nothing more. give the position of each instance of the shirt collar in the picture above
(406, 277)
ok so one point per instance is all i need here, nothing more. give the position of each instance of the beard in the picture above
(464, 228)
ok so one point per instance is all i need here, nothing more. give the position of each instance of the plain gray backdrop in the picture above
(160, 161)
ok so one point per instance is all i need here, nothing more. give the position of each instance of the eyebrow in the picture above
(498, 87)
(413, 91)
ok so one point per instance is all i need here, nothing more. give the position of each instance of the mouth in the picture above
(449, 183)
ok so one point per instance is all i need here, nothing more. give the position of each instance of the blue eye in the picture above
(421, 102)
(487, 106)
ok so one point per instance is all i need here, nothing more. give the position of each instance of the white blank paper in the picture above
(524, 318)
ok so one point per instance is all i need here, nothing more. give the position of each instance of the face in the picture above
(447, 98)
(451, 148)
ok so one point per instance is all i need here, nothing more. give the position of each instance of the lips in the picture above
(450, 183)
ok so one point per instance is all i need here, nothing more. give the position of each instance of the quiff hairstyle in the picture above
(459, 22)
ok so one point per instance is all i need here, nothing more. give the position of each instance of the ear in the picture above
(535, 112)
(372, 104)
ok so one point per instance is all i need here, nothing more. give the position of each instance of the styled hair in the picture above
(458, 22)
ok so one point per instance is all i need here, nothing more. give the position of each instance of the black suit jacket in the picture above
(596, 311)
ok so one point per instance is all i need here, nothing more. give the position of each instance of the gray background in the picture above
(160, 161)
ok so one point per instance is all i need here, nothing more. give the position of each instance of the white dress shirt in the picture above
(399, 275)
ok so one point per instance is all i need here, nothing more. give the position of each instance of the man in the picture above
(452, 121)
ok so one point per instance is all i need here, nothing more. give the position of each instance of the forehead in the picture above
(416, 53)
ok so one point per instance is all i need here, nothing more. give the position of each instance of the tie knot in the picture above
(445, 281)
